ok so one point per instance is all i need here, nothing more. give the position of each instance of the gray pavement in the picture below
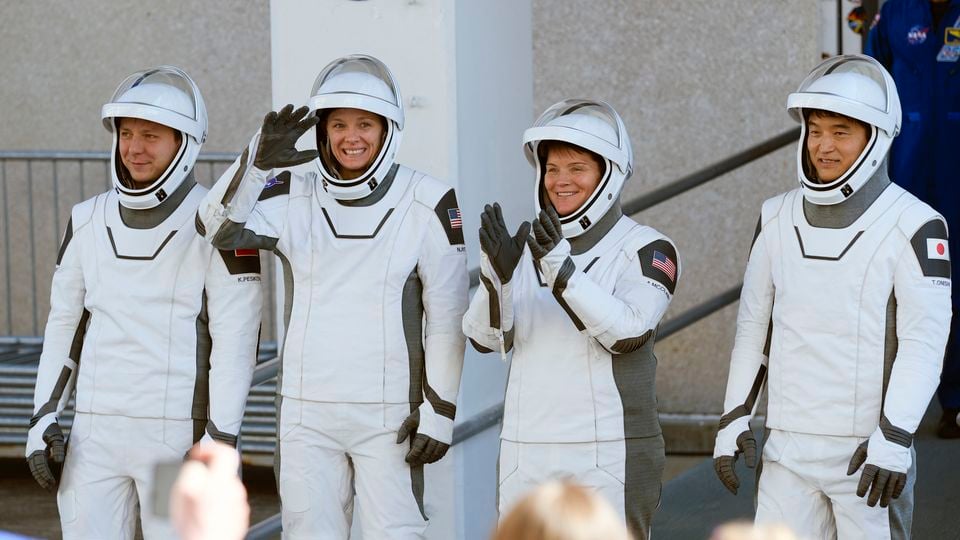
(695, 501)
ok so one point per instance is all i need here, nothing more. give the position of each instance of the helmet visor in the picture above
(165, 95)
(593, 125)
(358, 82)
(853, 85)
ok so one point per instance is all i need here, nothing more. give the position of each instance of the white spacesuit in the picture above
(158, 329)
(847, 293)
(581, 315)
(376, 285)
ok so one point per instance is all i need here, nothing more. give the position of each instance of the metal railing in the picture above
(37, 191)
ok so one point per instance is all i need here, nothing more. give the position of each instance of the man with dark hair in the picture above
(844, 315)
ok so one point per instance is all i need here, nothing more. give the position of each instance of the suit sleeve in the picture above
(490, 315)
(624, 320)
(246, 208)
(443, 271)
(62, 340)
(922, 285)
(234, 299)
(748, 362)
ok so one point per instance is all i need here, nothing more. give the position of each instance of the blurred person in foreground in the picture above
(208, 500)
(562, 511)
(749, 531)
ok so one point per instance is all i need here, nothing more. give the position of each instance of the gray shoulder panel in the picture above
(448, 212)
(930, 246)
(659, 262)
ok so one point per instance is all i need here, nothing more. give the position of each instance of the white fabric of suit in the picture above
(161, 316)
(352, 273)
(827, 293)
(576, 390)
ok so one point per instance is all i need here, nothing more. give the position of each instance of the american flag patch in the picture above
(455, 221)
(245, 253)
(664, 264)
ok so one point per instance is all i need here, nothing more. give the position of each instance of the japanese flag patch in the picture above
(938, 249)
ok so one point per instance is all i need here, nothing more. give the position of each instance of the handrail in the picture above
(710, 172)
(490, 416)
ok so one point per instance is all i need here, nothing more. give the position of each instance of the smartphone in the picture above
(164, 475)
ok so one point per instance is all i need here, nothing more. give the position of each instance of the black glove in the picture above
(724, 465)
(39, 461)
(503, 250)
(278, 139)
(886, 484)
(546, 233)
(423, 449)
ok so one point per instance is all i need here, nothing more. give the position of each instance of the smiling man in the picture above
(157, 329)
(844, 314)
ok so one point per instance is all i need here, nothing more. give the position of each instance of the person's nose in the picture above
(827, 143)
(135, 146)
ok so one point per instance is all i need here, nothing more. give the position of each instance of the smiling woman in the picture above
(571, 175)
(354, 138)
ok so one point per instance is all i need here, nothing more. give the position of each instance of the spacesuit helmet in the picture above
(594, 126)
(858, 87)
(165, 95)
(357, 82)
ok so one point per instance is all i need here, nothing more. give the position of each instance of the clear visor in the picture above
(593, 125)
(853, 85)
(595, 109)
(361, 64)
(167, 76)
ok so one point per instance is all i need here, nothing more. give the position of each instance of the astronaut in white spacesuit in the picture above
(157, 330)
(845, 312)
(580, 309)
(376, 285)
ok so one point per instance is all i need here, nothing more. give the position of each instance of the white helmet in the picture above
(859, 87)
(165, 95)
(594, 126)
(358, 82)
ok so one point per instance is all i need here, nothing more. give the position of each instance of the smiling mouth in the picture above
(565, 194)
(354, 151)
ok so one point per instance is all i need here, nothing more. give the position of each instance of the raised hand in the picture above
(503, 250)
(547, 233)
(278, 139)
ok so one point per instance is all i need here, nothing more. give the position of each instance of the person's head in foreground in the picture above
(748, 531)
(562, 511)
